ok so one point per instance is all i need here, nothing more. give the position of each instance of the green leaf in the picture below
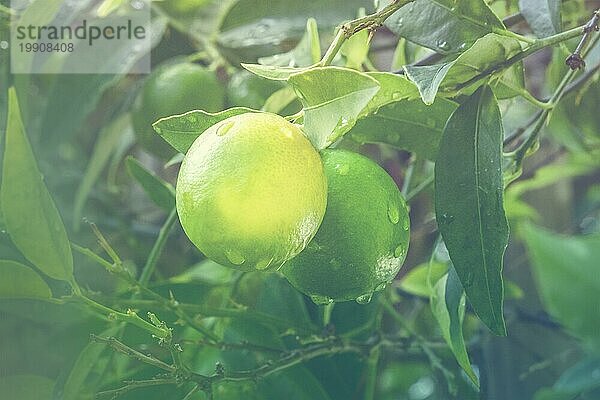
(356, 49)
(333, 98)
(566, 273)
(107, 141)
(580, 378)
(448, 307)
(417, 280)
(78, 385)
(31, 217)
(180, 131)
(273, 72)
(408, 125)
(392, 88)
(159, 191)
(26, 387)
(20, 281)
(486, 54)
(543, 16)
(468, 202)
(256, 28)
(445, 26)
(301, 55)
(428, 79)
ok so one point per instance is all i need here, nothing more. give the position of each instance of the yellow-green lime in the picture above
(251, 191)
(174, 89)
(363, 240)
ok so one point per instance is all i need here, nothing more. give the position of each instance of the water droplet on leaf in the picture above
(321, 300)
(364, 299)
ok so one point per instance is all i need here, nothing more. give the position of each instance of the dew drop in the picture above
(381, 286)
(443, 45)
(364, 299)
(405, 224)
(321, 300)
(462, 46)
(342, 169)
(399, 251)
(235, 257)
(400, 22)
(393, 214)
(263, 264)
(191, 118)
(224, 128)
(158, 129)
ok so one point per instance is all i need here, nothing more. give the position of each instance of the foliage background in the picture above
(81, 137)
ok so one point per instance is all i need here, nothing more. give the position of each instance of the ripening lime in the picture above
(251, 191)
(170, 90)
(363, 239)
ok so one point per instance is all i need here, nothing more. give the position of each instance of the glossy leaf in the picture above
(469, 204)
(448, 307)
(26, 387)
(180, 131)
(159, 191)
(333, 98)
(445, 26)
(31, 217)
(485, 55)
(107, 142)
(20, 281)
(408, 125)
(543, 16)
(566, 273)
(393, 88)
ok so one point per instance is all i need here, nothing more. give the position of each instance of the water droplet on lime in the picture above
(393, 214)
(405, 224)
(224, 128)
(343, 169)
(263, 264)
(381, 286)
(399, 251)
(235, 257)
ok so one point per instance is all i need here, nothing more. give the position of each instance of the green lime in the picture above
(251, 191)
(170, 90)
(363, 239)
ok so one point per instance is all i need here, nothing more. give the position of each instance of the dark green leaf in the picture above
(180, 131)
(31, 218)
(20, 281)
(468, 203)
(543, 16)
(409, 125)
(333, 98)
(446, 26)
(26, 387)
(159, 191)
(566, 272)
(448, 307)
(108, 140)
